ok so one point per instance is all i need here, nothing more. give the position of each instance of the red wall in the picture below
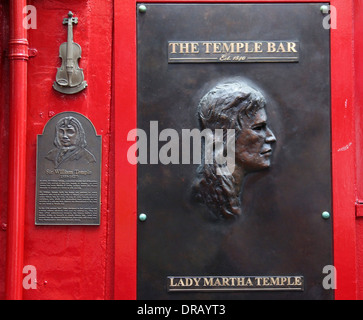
(77, 262)
(72, 262)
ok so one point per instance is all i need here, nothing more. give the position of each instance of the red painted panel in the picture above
(125, 174)
(343, 151)
(358, 68)
(343, 160)
(72, 262)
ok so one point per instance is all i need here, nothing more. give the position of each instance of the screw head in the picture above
(325, 215)
(324, 9)
(142, 8)
(142, 217)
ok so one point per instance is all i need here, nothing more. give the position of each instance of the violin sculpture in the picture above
(70, 78)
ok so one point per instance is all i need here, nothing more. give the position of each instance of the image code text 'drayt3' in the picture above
(70, 78)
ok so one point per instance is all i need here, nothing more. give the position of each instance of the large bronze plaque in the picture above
(68, 172)
(253, 230)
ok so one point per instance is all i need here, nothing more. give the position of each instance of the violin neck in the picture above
(70, 47)
(69, 22)
(70, 32)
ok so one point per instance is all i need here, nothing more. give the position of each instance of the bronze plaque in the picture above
(68, 172)
(239, 215)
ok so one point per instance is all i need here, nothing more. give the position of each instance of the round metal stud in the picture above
(142, 8)
(142, 217)
(324, 9)
(325, 215)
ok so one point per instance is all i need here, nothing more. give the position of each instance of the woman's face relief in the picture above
(254, 143)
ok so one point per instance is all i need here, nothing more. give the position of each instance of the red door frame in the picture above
(343, 144)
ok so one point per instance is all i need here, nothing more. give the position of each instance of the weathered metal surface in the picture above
(277, 229)
(68, 172)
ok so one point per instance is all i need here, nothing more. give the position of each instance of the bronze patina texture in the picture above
(68, 172)
(264, 220)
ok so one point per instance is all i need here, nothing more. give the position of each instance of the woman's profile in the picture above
(233, 105)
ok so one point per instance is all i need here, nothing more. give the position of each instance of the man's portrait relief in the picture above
(70, 143)
(233, 105)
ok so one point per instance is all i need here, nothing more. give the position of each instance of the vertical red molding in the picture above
(18, 56)
(343, 151)
(124, 94)
(358, 67)
(343, 144)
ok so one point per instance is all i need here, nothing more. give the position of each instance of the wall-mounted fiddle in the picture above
(70, 78)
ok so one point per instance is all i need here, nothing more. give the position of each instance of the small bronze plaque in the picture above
(68, 172)
(232, 51)
(242, 283)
